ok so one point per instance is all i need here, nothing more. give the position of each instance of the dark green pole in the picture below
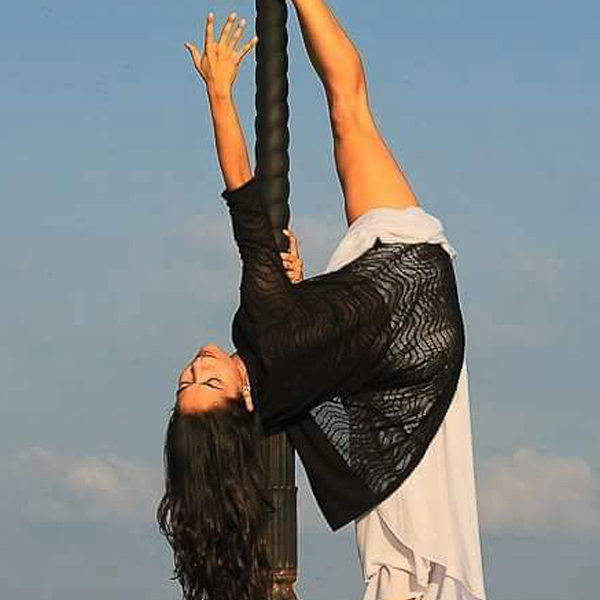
(272, 160)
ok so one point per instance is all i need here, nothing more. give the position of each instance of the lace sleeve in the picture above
(313, 337)
(329, 334)
(390, 319)
(331, 340)
(265, 290)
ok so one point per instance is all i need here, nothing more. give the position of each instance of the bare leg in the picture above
(332, 53)
(369, 174)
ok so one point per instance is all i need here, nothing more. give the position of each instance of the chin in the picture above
(216, 351)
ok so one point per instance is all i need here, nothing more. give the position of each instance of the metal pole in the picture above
(272, 160)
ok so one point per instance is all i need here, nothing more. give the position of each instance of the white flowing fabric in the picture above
(423, 540)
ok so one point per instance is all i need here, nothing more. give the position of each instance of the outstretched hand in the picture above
(219, 63)
(292, 263)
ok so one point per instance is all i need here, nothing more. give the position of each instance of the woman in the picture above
(359, 366)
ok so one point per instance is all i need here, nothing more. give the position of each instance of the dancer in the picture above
(360, 366)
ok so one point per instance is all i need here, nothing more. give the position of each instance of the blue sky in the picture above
(117, 263)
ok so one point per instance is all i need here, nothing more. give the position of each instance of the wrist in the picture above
(217, 93)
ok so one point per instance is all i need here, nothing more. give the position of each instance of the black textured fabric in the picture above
(358, 366)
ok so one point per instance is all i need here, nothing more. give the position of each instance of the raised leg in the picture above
(332, 53)
(368, 172)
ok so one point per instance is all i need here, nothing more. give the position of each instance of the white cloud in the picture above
(525, 495)
(47, 486)
(531, 495)
(55, 487)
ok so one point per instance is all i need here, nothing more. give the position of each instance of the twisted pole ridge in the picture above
(272, 168)
(271, 123)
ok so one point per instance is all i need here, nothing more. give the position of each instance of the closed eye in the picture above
(207, 383)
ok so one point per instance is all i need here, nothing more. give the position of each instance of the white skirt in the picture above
(422, 541)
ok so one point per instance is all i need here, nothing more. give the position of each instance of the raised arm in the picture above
(218, 67)
(265, 283)
(265, 290)
(322, 334)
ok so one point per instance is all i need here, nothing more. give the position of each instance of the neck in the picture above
(239, 363)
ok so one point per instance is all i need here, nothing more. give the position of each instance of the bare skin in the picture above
(218, 65)
(369, 175)
(210, 379)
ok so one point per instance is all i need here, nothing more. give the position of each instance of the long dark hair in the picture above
(215, 508)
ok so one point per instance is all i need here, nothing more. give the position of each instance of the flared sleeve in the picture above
(317, 338)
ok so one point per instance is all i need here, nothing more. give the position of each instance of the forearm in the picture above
(332, 53)
(230, 142)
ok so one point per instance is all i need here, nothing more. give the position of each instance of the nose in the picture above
(199, 363)
(186, 375)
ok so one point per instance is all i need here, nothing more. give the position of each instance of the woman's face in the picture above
(208, 381)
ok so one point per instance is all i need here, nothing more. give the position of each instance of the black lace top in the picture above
(357, 366)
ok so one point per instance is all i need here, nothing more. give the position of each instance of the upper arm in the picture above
(265, 287)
